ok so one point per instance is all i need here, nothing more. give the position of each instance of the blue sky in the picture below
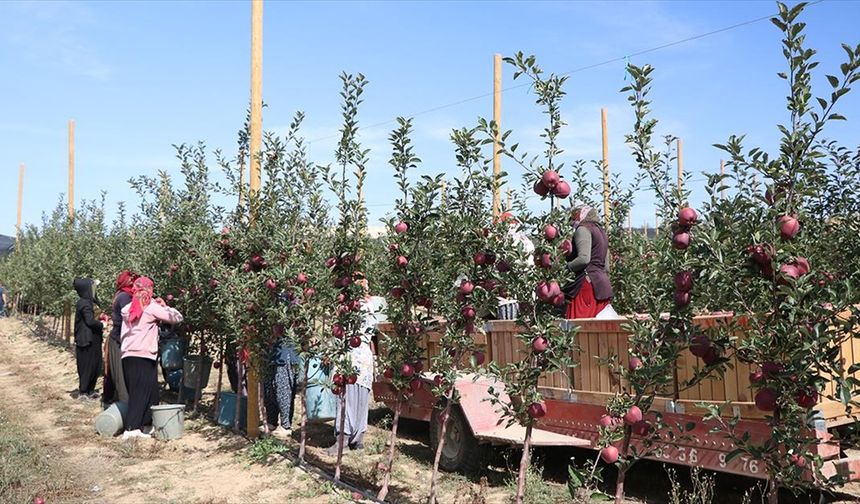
(140, 76)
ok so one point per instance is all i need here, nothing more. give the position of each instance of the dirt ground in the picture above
(210, 464)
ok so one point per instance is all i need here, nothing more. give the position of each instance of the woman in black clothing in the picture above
(115, 387)
(88, 339)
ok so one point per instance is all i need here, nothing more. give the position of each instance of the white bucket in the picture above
(168, 420)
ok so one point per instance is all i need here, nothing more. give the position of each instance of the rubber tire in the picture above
(462, 451)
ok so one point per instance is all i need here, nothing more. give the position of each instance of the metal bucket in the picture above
(110, 422)
(168, 421)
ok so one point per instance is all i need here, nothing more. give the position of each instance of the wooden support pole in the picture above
(605, 138)
(68, 311)
(497, 139)
(680, 167)
(722, 179)
(71, 168)
(645, 230)
(256, 137)
(20, 202)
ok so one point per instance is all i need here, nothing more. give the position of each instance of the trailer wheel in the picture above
(461, 451)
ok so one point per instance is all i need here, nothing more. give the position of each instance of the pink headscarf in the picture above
(141, 294)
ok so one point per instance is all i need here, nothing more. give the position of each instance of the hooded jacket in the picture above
(88, 329)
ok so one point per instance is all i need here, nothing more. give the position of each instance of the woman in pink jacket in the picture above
(139, 340)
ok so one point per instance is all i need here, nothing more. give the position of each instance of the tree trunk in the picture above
(619, 485)
(434, 479)
(524, 465)
(240, 374)
(304, 422)
(772, 492)
(622, 469)
(383, 492)
(340, 435)
(220, 381)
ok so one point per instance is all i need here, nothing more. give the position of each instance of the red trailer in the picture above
(575, 402)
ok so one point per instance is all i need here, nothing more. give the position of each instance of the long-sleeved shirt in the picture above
(141, 338)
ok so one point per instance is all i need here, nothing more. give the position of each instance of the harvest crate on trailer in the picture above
(575, 401)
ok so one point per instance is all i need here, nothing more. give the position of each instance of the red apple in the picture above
(351, 379)
(214, 283)
(419, 366)
(540, 344)
(771, 369)
(542, 290)
(396, 292)
(788, 271)
(802, 265)
(550, 178)
(806, 398)
(683, 281)
(765, 399)
(309, 292)
(634, 364)
(566, 247)
(479, 357)
(355, 342)
(437, 380)
(687, 217)
(479, 258)
(466, 287)
(415, 384)
(330, 262)
(681, 240)
(301, 278)
(490, 257)
(550, 232)
(756, 376)
(401, 227)
(174, 268)
(641, 428)
(402, 261)
(388, 373)
(633, 415)
(406, 370)
(682, 299)
(337, 331)
(536, 410)
(503, 266)
(699, 345)
(562, 189)
(169, 298)
(607, 421)
(338, 379)
(540, 189)
(554, 289)
(788, 227)
(797, 460)
(558, 299)
(609, 454)
(711, 356)
(468, 312)
(225, 230)
(545, 260)
(271, 284)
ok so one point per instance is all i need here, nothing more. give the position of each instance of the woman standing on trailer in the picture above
(139, 339)
(590, 291)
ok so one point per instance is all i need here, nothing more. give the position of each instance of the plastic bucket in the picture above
(227, 410)
(172, 351)
(173, 379)
(168, 420)
(110, 422)
(322, 403)
(196, 371)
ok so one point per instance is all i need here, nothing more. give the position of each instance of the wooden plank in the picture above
(585, 363)
(594, 369)
(683, 376)
(744, 385)
(730, 387)
(603, 352)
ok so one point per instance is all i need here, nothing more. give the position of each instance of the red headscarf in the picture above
(125, 281)
(141, 296)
